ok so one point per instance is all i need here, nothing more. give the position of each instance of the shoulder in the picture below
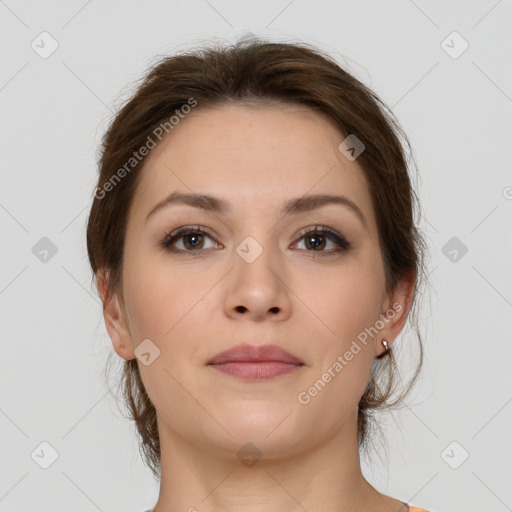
(416, 509)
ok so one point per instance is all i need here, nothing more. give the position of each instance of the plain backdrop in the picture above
(443, 68)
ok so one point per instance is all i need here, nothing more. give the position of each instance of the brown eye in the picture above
(316, 242)
(192, 239)
(317, 238)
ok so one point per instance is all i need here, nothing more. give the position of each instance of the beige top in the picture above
(410, 509)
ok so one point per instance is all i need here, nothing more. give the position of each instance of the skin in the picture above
(311, 304)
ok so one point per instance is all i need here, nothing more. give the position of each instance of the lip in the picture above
(256, 371)
(255, 354)
(250, 362)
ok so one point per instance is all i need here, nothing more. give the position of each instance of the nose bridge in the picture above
(255, 258)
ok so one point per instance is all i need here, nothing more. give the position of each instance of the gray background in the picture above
(54, 345)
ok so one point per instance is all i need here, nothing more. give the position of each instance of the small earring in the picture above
(385, 343)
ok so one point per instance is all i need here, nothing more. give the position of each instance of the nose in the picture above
(257, 289)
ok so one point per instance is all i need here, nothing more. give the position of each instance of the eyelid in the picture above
(189, 228)
(169, 239)
(339, 239)
(180, 232)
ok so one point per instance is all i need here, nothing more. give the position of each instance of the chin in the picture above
(249, 444)
(272, 431)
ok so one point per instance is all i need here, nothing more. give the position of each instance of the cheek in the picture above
(349, 301)
(168, 303)
(150, 312)
(154, 297)
(349, 305)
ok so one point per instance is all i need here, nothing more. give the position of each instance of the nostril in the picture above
(241, 309)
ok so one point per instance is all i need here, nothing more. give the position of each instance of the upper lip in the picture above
(255, 353)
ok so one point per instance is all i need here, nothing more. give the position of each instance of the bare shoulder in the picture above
(416, 509)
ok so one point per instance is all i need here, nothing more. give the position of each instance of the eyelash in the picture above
(342, 243)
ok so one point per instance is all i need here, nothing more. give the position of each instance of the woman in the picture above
(253, 241)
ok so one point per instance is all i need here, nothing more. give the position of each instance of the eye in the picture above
(191, 238)
(317, 238)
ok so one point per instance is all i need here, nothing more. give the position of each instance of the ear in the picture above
(395, 309)
(114, 316)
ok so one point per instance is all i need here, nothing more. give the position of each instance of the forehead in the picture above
(255, 157)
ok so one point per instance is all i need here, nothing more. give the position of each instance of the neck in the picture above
(195, 477)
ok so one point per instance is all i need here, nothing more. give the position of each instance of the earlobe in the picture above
(395, 314)
(114, 317)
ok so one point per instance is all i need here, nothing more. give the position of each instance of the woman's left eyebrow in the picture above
(292, 206)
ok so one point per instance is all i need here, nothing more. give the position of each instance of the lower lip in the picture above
(256, 370)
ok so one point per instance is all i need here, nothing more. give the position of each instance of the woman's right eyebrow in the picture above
(292, 206)
(202, 201)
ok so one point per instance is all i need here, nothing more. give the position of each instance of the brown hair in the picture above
(256, 71)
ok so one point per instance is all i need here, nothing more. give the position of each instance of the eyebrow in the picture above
(296, 205)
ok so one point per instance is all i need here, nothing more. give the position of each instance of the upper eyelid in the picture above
(205, 230)
(182, 231)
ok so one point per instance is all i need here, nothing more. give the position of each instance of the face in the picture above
(252, 274)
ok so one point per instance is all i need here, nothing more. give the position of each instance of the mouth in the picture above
(262, 370)
(256, 362)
